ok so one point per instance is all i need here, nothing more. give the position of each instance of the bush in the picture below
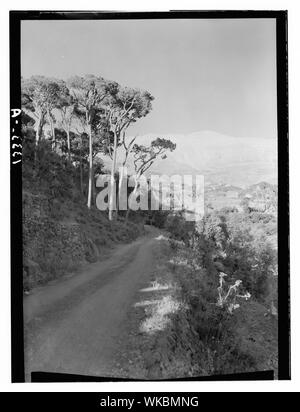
(178, 227)
(218, 349)
(225, 241)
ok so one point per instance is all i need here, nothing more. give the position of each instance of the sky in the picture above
(205, 74)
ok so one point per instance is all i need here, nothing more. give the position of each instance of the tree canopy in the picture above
(88, 116)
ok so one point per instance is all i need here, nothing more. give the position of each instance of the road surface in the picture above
(73, 325)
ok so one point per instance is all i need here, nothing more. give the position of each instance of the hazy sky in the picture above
(204, 74)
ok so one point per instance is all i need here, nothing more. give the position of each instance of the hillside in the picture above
(181, 314)
(261, 197)
(60, 233)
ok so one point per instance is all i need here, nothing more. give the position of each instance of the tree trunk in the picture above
(80, 166)
(121, 177)
(89, 202)
(52, 130)
(81, 176)
(133, 192)
(69, 145)
(127, 216)
(37, 132)
(112, 178)
(37, 137)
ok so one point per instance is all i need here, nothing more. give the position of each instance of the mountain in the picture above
(171, 166)
(220, 158)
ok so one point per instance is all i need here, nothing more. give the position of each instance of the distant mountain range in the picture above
(220, 158)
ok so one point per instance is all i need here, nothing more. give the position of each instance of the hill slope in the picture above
(59, 232)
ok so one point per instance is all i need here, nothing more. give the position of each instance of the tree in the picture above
(121, 110)
(127, 150)
(40, 95)
(80, 149)
(144, 157)
(67, 115)
(34, 103)
(55, 91)
(89, 92)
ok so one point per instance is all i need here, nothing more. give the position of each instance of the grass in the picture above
(243, 341)
(199, 338)
(158, 314)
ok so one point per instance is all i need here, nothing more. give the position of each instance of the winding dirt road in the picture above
(73, 325)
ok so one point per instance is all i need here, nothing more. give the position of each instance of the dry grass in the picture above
(159, 314)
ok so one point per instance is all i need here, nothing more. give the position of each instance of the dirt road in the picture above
(73, 325)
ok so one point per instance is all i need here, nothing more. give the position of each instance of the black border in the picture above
(68, 377)
(17, 336)
(17, 327)
(284, 370)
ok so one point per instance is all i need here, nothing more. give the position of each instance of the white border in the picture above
(113, 5)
